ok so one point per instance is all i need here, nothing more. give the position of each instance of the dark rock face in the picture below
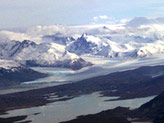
(82, 46)
(79, 63)
(153, 110)
(110, 116)
(16, 76)
(14, 50)
(128, 85)
(13, 119)
(74, 65)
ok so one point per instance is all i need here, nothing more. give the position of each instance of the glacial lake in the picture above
(102, 66)
(82, 105)
(70, 109)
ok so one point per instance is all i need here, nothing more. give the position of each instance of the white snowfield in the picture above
(9, 64)
(47, 45)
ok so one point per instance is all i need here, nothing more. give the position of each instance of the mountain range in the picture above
(65, 46)
(44, 54)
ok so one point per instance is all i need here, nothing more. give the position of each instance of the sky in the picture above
(24, 13)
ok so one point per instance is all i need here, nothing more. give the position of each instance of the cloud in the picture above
(139, 21)
(101, 17)
(9, 35)
(124, 21)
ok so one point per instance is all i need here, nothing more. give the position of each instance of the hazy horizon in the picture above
(21, 13)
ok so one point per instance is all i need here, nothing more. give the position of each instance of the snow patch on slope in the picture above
(139, 37)
(9, 64)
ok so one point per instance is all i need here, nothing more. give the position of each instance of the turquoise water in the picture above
(85, 104)
(102, 66)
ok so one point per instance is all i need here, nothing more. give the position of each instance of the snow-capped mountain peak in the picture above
(43, 54)
(51, 45)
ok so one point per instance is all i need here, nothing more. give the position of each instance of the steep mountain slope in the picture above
(139, 37)
(43, 54)
(92, 45)
(13, 73)
(129, 46)
(153, 110)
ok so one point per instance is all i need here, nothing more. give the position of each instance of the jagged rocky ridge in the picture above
(139, 37)
(126, 47)
(65, 46)
(44, 54)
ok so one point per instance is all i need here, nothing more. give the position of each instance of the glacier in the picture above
(66, 46)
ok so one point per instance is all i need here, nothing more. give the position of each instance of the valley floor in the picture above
(137, 83)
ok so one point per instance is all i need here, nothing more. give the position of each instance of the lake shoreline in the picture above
(114, 84)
